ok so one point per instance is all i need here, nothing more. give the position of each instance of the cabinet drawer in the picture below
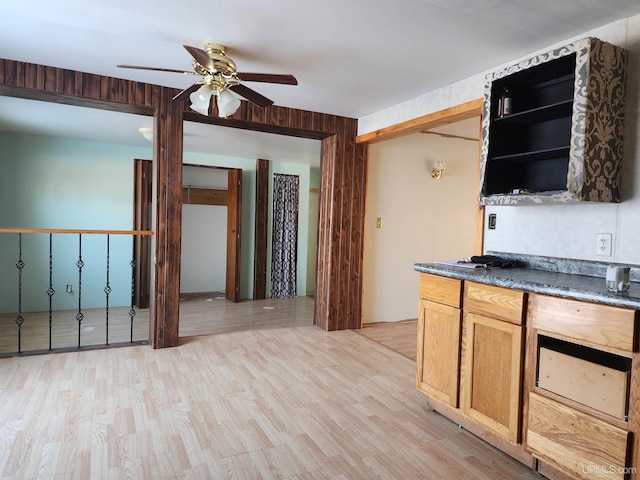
(441, 289)
(496, 302)
(601, 387)
(574, 442)
(599, 325)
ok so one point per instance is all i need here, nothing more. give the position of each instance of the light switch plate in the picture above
(492, 221)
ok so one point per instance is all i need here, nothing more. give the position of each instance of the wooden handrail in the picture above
(83, 232)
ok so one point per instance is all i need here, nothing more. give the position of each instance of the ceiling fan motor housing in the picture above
(217, 53)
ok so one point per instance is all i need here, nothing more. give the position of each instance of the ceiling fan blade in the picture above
(156, 69)
(251, 95)
(268, 78)
(201, 57)
(187, 91)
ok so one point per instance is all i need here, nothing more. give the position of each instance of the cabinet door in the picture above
(438, 358)
(493, 374)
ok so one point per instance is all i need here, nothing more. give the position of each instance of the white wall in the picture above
(567, 231)
(203, 263)
(423, 220)
(204, 248)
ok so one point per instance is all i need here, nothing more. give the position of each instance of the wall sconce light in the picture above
(438, 170)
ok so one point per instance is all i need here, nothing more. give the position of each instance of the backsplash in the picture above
(567, 265)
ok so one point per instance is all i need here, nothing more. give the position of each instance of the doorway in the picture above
(226, 196)
(433, 219)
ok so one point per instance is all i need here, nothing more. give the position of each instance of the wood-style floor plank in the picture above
(278, 403)
(399, 336)
(200, 314)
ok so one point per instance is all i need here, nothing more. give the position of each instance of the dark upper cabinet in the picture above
(562, 140)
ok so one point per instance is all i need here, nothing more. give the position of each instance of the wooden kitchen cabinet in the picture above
(551, 381)
(583, 357)
(493, 374)
(493, 358)
(439, 327)
(439, 351)
(470, 353)
(578, 444)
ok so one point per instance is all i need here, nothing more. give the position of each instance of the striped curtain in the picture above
(284, 250)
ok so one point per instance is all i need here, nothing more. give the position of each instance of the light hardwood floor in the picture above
(64, 331)
(399, 336)
(292, 402)
(205, 314)
(200, 314)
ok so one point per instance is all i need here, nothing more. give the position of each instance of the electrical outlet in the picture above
(603, 244)
(69, 288)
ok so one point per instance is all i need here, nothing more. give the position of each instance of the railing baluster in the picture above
(79, 264)
(132, 312)
(107, 291)
(50, 290)
(19, 319)
(23, 292)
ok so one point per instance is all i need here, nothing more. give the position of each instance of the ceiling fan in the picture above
(219, 75)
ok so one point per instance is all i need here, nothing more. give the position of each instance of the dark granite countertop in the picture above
(574, 286)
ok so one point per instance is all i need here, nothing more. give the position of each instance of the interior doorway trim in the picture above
(449, 115)
(342, 179)
(261, 229)
(457, 113)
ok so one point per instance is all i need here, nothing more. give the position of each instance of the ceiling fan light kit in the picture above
(227, 103)
(219, 78)
(200, 99)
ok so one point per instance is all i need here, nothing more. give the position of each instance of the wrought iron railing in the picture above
(22, 262)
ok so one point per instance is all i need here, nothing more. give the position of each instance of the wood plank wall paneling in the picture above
(326, 313)
(343, 176)
(234, 234)
(165, 308)
(143, 198)
(358, 192)
(261, 228)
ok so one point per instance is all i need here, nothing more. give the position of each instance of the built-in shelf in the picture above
(550, 142)
(539, 114)
(535, 155)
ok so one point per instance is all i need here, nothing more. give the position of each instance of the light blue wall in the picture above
(56, 183)
(314, 177)
(48, 182)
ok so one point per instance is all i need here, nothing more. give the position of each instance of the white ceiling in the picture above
(351, 57)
